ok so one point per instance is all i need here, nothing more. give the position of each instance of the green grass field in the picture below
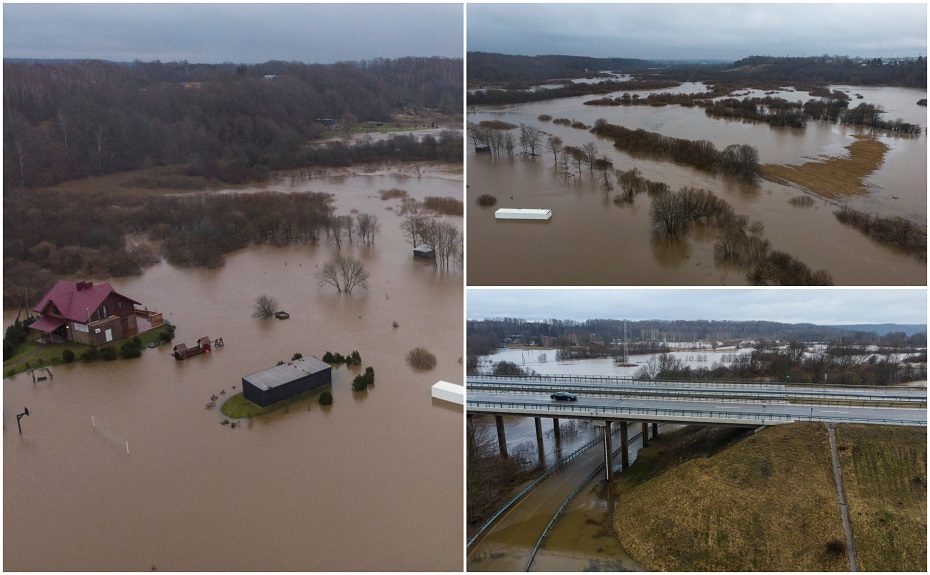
(238, 407)
(31, 354)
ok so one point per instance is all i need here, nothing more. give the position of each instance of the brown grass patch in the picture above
(692, 502)
(833, 177)
(393, 194)
(885, 473)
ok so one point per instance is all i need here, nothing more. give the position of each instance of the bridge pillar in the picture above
(539, 440)
(608, 450)
(655, 430)
(470, 424)
(645, 434)
(501, 436)
(557, 430)
(625, 448)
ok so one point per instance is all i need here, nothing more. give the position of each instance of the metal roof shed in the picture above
(286, 380)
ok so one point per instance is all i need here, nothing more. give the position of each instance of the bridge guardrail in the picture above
(694, 391)
(615, 378)
(602, 411)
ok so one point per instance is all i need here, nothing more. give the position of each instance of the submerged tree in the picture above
(265, 307)
(344, 274)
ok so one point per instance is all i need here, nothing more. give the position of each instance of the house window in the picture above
(102, 312)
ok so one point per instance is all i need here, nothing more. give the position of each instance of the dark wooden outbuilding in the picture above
(286, 380)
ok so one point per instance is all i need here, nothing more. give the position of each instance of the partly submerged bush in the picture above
(486, 200)
(421, 358)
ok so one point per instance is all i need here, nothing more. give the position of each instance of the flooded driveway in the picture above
(373, 482)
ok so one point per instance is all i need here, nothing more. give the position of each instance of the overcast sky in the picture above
(695, 31)
(241, 33)
(824, 307)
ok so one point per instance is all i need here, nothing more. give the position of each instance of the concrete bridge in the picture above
(620, 402)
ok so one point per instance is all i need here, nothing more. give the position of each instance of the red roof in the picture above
(76, 301)
(47, 324)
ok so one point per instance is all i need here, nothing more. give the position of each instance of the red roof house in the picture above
(86, 313)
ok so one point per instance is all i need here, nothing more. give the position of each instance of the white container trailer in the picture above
(449, 392)
(522, 214)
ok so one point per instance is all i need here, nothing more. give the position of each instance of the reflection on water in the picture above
(374, 482)
(592, 241)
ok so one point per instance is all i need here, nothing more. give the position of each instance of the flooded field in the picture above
(590, 240)
(372, 482)
(550, 365)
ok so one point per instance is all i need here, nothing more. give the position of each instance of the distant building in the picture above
(286, 380)
(424, 252)
(90, 314)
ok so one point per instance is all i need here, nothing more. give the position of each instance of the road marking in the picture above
(828, 411)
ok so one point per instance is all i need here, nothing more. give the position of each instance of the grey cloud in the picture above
(248, 33)
(692, 31)
(820, 306)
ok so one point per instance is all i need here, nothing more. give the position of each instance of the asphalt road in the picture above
(698, 411)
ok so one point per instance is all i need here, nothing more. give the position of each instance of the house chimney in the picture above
(81, 286)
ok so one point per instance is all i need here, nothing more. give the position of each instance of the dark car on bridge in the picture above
(564, 396)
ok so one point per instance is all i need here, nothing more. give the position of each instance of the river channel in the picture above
(373, 482)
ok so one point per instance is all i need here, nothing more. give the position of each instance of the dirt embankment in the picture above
(702, 499)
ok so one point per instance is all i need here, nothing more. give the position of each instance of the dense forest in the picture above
(489, 67)
(71, 119)
(810, 73)
(811, 70)
(484, 336)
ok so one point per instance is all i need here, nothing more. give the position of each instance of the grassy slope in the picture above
(885, 472)
(767, 502)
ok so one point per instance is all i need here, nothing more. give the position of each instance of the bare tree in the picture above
(265, 307)
(554, 144)
(590, 155)
(334, 229)
(509, 144)
(446, 242)
(414, 226)
(603, 165)
(530, 138)
(344, 274)
(348, 227)
(668, 213)
(575, 156)
(368, 228)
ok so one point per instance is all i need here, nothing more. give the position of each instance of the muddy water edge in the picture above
(372, 482)
(590, 240)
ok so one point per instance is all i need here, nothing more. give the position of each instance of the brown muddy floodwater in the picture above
(372, 483)
(589, 240)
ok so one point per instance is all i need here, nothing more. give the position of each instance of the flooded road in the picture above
(372, 482)
(590, 240)
(581, 538)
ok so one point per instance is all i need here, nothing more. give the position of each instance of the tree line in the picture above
(49, 234)
(67, 120)
(737, 160)
(485, 336)
(795, 364)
